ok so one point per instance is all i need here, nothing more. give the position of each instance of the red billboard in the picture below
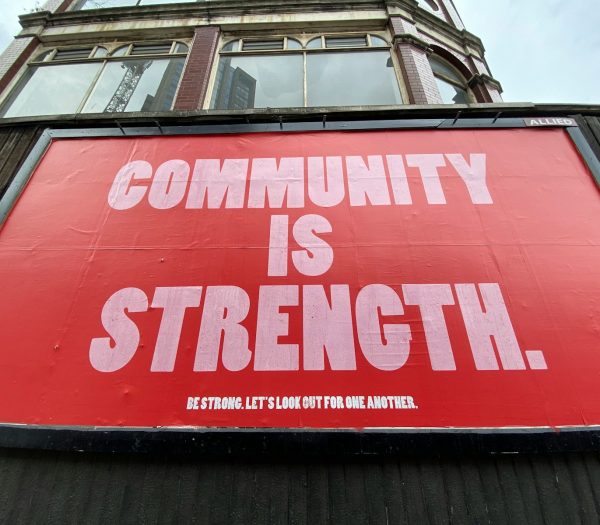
(375, 279)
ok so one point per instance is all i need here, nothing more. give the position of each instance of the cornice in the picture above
(206, 12)
(283, 115)
(209, 9)
(420, 16)
(483, 79)
(408, 38)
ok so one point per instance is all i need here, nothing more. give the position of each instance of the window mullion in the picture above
(305, 80)
(90, 89)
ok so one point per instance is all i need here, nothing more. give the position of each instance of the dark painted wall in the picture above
(590, 126)
(15, 144)
(49, 487)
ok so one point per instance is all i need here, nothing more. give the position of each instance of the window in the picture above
(103, 4)
(431, 6)
(280, 72)
(134, 77)
(451, 84)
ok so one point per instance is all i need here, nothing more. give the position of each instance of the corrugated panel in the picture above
(590, 126)
(61, 488)
(15, 144)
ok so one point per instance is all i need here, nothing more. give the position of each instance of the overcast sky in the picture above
(540, 50)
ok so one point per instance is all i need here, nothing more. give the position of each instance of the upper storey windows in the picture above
(133, 77)
(103, 4)
(347, 70)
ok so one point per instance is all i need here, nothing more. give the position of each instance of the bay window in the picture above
(133, 77)
(281, 72)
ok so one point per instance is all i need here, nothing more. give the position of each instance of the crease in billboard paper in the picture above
(344, 280)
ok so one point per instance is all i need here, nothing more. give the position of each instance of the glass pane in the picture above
(101, 4)
(452, 94)
(121, 51)
(136, 85)
(154, 2)
(262, 45)
(180, 48)
(72, 54)
(258, 82)
(430, 5)
(378, 41)
(353, 41)
(441, 68)
(43, 57)
(52, 90)
(293, 44)
(100, 52)
(231, 46)
(351, 79)
(315, 43)
(151, 49)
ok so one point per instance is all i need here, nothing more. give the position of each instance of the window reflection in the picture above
(258, 82)
(451, 84)
(281, 73)
(349, 79)
(452, 94)
(136, 85)
(104, 4)
(53, 90)
(102, 83)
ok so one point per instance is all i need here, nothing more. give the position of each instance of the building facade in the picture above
(122, 97)
(214, 55)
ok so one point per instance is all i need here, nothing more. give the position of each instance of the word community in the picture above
(378, 180)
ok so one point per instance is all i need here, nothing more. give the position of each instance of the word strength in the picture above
(329, 318)
(301, 403)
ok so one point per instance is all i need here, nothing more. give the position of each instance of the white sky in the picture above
(540, 50)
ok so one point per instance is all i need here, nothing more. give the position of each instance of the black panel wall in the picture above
(590, 126)
(49, 487)
(15, 144)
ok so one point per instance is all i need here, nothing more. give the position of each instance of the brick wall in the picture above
(416, 70)
(56, 5)
(14, 57)
(20, 50)
(196, 74)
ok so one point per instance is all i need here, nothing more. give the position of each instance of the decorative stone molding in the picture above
(407, 38)
(481, 79)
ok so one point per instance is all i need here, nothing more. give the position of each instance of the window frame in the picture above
(77, 6)
(45, 57)
(304, 39)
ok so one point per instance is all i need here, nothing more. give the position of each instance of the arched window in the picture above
(332, 70)
(430, 5)
(134, 77)
(450, 82)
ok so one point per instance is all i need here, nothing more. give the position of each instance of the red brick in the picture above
(194, 82)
